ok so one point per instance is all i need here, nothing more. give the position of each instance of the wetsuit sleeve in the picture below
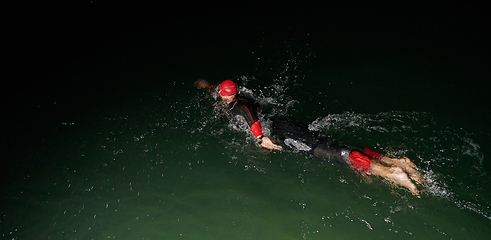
(252, 119)
(257, 129)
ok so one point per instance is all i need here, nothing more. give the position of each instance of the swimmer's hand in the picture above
(267, 143)
(201, 83)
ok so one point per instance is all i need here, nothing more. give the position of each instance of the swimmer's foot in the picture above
(416, 177)
(412, 170)
(407, 163)
(414, 190)
(418, 180)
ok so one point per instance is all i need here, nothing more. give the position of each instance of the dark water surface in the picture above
(105, 135)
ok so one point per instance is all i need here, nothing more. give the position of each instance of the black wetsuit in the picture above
(294, 134)
(298, 137)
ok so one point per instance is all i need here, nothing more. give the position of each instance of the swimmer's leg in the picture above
(394, 174)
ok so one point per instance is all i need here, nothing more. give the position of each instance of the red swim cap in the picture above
(227, 88)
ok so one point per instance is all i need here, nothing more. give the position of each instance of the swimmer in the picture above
(298, 137)
(237, 107)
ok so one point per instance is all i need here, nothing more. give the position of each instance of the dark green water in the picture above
(111, 139)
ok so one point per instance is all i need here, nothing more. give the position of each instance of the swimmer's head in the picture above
(227, 88)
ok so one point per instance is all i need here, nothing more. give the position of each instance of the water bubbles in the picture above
(302, 204)
(367, 223)
(89, 189)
